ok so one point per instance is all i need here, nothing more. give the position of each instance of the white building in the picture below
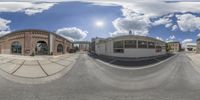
(130, 46)
(190, 47)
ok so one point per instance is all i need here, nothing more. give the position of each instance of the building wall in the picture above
(174, 46)
(198, 46)
(59, 40)
(8, 40)
(138, 53)
(190, 47)
(105, 47)
(36, 37)
(28, 40)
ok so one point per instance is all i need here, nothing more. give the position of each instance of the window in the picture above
(16, 48)
(41, 48)
(158, 48)
(130, 43)
(60, 48)
(118, 44)
(142, 44)
(151, 45)
(118, 50)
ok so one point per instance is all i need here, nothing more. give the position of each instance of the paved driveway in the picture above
(88, 79)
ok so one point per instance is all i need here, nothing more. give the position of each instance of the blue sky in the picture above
(78, 20)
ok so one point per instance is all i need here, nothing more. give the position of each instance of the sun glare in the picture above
(99, 23)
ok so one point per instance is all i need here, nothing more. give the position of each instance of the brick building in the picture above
(174, 46)
(33, 41)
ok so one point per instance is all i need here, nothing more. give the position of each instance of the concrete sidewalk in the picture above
(35, 67)
(195, 60)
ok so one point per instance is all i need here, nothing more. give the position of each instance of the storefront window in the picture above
(142, 44)
(130, 43)
(151, 45)
(118, 44)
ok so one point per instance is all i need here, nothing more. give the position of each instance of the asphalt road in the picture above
(93, 80)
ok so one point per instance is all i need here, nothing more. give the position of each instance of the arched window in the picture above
(16, 48)
(41, 48)
(60, 48)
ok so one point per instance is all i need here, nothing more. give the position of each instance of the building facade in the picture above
(173, 46)
(190, 47)
(34, 42)
(82, 45)
(129, 46)
(198, 46)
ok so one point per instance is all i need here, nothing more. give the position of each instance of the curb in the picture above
(135, 68)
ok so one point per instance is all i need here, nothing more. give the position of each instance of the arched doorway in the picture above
(60, 48)
(16, 48)
(41, 48)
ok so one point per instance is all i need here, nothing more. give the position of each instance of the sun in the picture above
(99, 23)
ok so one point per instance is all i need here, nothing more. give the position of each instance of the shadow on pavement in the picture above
(131, 62)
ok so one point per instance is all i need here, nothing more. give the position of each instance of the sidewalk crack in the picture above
(42, 68)
(18, 67)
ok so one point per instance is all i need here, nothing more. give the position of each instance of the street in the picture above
(89, 79)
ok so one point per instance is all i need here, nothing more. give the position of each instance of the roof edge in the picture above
(23, 30)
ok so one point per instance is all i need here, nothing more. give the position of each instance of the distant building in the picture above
(198, 45)
(92, 45)
(82, 45)
(129, 46)
(173, 46)
(190, 47)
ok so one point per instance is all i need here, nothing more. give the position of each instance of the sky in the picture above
(85, 19)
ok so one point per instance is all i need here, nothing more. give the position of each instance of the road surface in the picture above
(90, 79)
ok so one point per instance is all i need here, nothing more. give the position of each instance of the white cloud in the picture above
(4, 28)
(138, 27)
(153, 8)
(73, 33)
(185, 41)
(147, 7)
(134, 11)
(188, 22)
(198, 35)
(29, 8)
(163, 21)
(168, 25)
(171, 38)
(159, 38)
(134, 22)
(137, 14)
(174, 27)
(4, 24)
